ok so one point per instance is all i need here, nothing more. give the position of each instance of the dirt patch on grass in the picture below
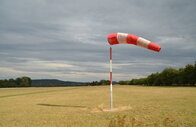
(116, 109)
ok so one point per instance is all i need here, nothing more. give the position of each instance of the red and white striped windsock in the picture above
(123, 38)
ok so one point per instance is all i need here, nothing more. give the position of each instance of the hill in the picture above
(55, 82)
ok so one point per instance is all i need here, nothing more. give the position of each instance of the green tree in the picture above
(153, 79)
(23, 82)
(123, 82)
(168, 76)
(104, 82)
(189, 74)
(2, 83)
(11, 83)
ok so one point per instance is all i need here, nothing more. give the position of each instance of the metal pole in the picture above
(111, 99)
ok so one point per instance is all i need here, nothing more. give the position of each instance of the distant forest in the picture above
(19, 82)
(168, 77)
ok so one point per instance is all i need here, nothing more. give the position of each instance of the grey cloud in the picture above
(75, 33)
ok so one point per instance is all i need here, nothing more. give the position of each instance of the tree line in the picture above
(168, 77)
(18, 82)
(98, 83)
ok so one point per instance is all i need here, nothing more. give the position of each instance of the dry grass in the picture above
(73, 107)
(124, 121)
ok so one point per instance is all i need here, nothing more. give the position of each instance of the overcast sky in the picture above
(67, 39)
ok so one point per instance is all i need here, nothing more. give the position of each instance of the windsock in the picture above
(123, 38)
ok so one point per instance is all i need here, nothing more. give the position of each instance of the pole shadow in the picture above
(66, 106)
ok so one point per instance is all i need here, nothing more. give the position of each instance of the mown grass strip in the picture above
(40, 92)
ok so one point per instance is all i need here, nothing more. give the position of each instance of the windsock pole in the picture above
(111, 99)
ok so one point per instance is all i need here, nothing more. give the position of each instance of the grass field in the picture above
(82, 107)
